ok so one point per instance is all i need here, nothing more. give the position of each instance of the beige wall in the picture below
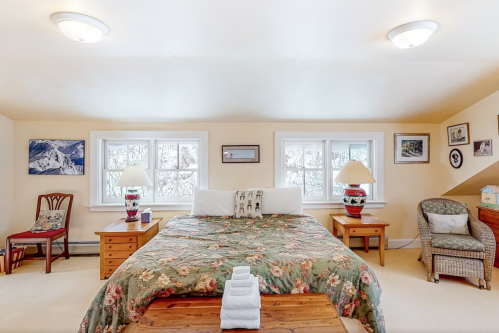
(405, 185)
(6, 172)
(483, 122)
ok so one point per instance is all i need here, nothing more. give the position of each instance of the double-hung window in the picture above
(312, 160)
(176, 162)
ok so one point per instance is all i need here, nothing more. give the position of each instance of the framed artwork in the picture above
(241, 154)
(456, 158)
(56, 157)
(459, 134)
(412, 148)
(482, 148)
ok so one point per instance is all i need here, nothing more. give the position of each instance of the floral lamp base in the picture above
(132, 198)
(354, 198)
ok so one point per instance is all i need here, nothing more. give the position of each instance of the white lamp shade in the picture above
(354, 173)
(133, 176)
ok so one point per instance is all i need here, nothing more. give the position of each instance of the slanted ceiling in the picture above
(472, 186)
(247, 60)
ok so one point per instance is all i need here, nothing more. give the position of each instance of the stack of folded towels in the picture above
(241, 301)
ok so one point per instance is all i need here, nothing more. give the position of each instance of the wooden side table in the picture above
(366, 226)
(279, 313)
(120, 240)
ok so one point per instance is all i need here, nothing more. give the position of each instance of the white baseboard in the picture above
(358, 242)
(91, 247)
(396, 243)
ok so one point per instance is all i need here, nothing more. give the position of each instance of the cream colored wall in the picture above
(483, 122)
(6, 172)
(405, 185)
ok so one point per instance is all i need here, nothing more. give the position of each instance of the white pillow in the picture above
(286, 200)
(448, 224)
(213, 203)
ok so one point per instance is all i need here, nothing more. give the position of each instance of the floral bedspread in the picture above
(195, 255)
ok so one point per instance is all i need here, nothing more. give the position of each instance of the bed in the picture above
(194, 255)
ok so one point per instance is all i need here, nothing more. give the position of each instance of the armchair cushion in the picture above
(457, 242)
(443, 208)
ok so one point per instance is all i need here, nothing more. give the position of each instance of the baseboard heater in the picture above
(358, 241)
(84, 247)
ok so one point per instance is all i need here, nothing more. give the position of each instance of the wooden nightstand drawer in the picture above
(120, 239)
(124, 247)
(108, 270)
(114, 262)
(365, 231)
(118, 254)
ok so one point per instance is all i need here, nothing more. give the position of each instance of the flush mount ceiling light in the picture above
(412, 34)
(79, 27)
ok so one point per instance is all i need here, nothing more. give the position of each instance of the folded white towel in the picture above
(241, 291)
(241, 302)
(241, 269)
(243, 283)
(240, 276)
(228, 324)
(244, 314)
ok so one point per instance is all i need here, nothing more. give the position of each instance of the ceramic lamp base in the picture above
(354, 198)
(132, 198)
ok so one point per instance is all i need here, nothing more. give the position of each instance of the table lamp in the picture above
(354, 173)
(133, 176)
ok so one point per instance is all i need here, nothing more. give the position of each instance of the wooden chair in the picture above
(54, 201)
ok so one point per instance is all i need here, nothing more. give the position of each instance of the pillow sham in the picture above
(49, 220)
(249, 204)
(213, 203)
(448, 224)
(285, 200)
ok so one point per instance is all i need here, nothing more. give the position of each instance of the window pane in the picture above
(314, 183)
(167, 183)
(340, 155)
(337, 187)
(294, 178)
(113, 191)
(116, 156)
(293, 156)
(167, 155)
(313, 156)
(138, 154)
(366, 188)
(187, 180)
(359, 152)
(188, 155)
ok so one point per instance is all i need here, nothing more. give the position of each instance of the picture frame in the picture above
(456, 158)
(56, 157)
(482, 147)
(458, 135)
(240, 153)
(412, 148)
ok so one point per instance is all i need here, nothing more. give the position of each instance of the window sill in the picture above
(339, 204)
(155, 207)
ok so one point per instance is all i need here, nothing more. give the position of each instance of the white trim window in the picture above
(312, 160)
(176, 162)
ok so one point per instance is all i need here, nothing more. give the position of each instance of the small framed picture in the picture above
(482, 148)
(459, 134)
(412, 148)
(241, 154)
(456, 158)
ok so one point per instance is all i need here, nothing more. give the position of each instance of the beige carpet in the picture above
(35, 302)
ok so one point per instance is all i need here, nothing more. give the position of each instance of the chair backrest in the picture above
(440, 200)
(54, 202)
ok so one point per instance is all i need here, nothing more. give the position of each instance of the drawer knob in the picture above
(110, 254)
(110, 262)
(375, 230)
(110, 239)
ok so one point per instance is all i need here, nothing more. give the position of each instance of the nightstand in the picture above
(120, 240)
(366, 226)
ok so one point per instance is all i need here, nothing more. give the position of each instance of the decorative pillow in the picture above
(448, 224)
(249, 204)
(285, 200)
(213, 203)
(49, 220)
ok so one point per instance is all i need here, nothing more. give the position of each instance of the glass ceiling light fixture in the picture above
(79, 27)
(412, 34)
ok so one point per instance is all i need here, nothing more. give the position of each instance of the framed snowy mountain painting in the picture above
(56, 157)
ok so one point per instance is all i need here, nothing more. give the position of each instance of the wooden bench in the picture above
(298, 313)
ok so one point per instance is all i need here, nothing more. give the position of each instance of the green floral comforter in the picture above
(195, 255)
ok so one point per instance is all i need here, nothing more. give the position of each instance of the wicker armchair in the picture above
(457, 262)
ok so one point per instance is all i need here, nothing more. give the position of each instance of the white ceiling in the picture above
(247, 60)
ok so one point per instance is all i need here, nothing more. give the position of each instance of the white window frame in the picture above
(97, 163)
(327, 201)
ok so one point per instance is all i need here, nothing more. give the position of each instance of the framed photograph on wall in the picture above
(482, 148)
(56, 157)
(456, 158)
(459, 134)
(241, 154)
(412, 148)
